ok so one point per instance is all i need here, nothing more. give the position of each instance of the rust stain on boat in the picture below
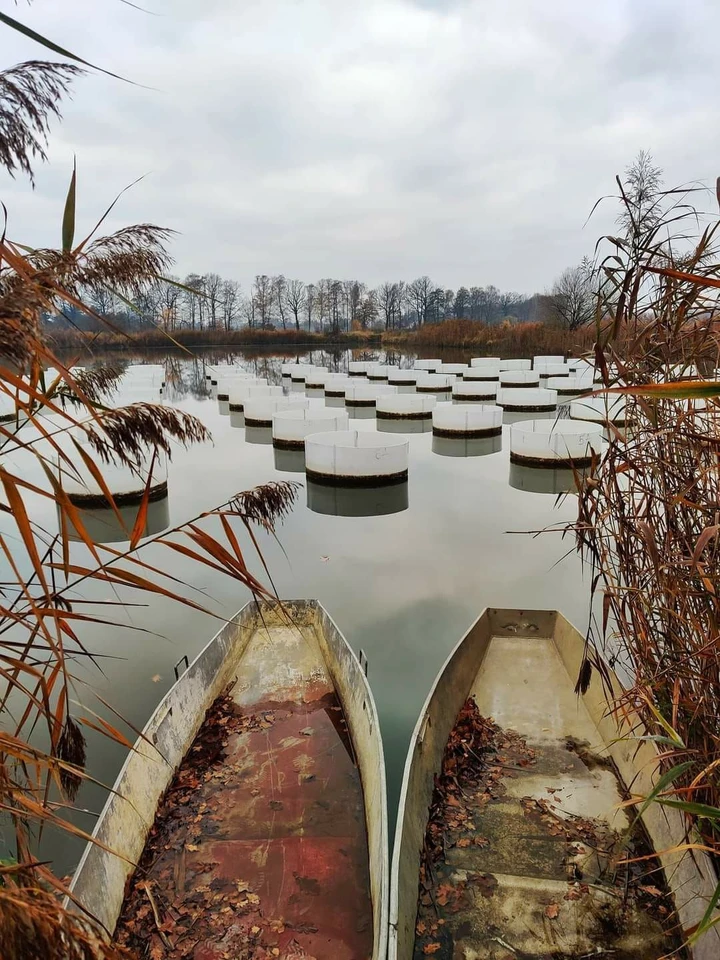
(260, 847)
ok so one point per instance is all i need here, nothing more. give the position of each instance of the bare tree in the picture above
(262, 296)
(461, 305)
(295, 299)
(193, 300)
(310, 302)
(230, 301)
(279, 291)
(367, 310)
(336, 298)
(572, 299)
(420, 294)
(248, 310)
(101, 300)
(213, 288)
(322, 300)
(170, 305)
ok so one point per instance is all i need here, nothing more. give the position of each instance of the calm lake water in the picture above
(402, 586)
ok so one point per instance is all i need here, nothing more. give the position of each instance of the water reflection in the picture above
(289, 461)
(237, 419)
(466, 446)
(357, 501)
(334, 401)
(258, 435)
(515, 416)
(102, 524)
(224, 408)
(543, 479)
(404, 425)
(361, 413)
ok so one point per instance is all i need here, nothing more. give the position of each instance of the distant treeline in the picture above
(208, 303)
(509, 338)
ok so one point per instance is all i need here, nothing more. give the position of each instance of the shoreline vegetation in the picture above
(506, 338)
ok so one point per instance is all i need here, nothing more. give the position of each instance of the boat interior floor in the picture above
(538, 882)
(279, 851)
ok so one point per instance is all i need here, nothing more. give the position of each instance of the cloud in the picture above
(465, 139)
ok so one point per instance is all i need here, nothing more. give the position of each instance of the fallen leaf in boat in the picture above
(431, 948)
(307, 732)
(192, 846)
(652, 891)
(156, 678)
(551, 911)
(420, 928)
(464, 842)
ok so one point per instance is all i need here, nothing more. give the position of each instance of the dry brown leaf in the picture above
(551, 911)
(430, 948)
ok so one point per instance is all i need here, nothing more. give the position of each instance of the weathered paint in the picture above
(303, 815)
(521, 667)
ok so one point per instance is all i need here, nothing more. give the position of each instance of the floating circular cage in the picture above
(240, 393)
(301, 372)
(378, 372)
(431, 366)
(290, 427)
(519, 379)
(315, 379)
(356, 458)
(467, 420)
(483, 372)
(259, 410)
(366, 394)
(402, 378)
(225, 387)
(544, 358)
(602, 409)
(553, 370)
(475, 391)
(405, 407)
(526, 400)
(337, 501)
(127, 483)
(337, 387)
(554, 443)
(485, 362)
(522, 364)
(358, 368)
(453, 369)
(404, 426)
(568, 386)
(436, 383)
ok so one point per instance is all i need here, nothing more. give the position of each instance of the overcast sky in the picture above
(372, 139)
